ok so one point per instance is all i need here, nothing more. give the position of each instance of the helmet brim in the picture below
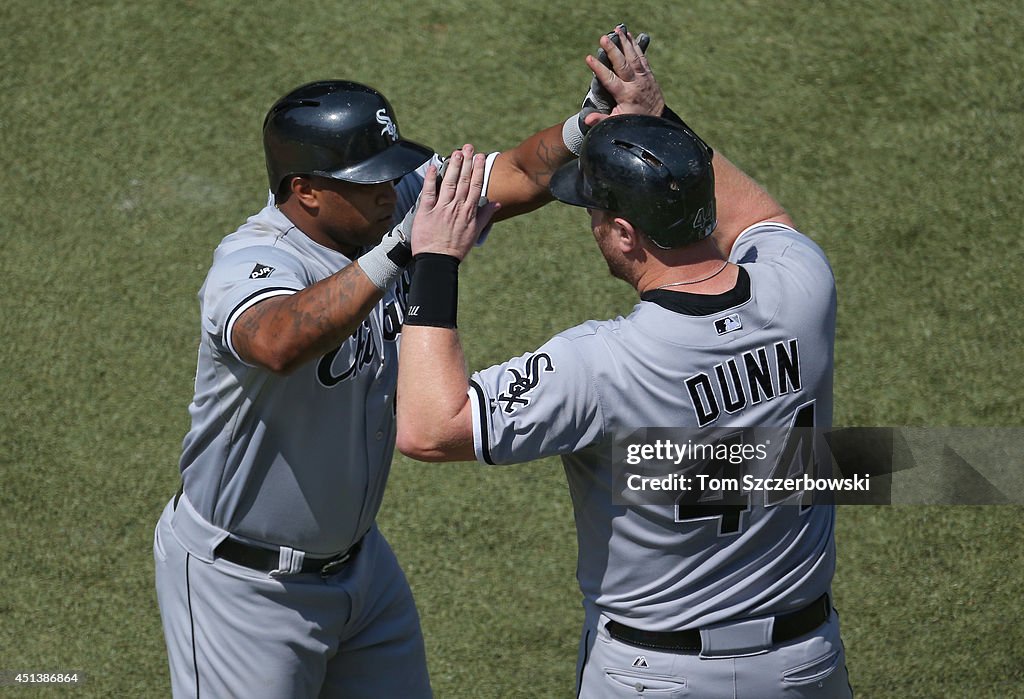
(567, 187)
(399, 159)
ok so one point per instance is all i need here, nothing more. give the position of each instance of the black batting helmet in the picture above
(652, 172)
(337, 129)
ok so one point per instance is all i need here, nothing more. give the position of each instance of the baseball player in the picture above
(272, 577)
(733, 334)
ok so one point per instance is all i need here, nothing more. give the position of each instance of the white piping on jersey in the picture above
(491, 157)
(244, 306)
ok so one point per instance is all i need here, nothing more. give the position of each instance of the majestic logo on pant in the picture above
(515, 395)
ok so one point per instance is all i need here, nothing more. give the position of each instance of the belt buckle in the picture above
(736, 639)
(334, 565)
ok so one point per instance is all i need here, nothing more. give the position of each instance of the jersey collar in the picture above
(701, 304)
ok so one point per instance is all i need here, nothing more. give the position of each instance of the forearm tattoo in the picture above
(549, 157)
(312, 321)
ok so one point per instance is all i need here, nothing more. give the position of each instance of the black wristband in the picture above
(434, 291)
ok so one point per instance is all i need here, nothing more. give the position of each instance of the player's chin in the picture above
(383, 225)
(375, 231)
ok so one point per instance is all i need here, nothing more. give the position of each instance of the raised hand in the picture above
(630, 80)
(449, 217)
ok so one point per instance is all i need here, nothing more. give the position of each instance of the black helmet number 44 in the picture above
(654, 173)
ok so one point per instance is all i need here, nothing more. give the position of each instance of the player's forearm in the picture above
(433, 411)
(520, 176)
(741, 202)
(434, 416)
(283, 333)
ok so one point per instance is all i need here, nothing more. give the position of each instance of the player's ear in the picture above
(301, 188)
(625, 235)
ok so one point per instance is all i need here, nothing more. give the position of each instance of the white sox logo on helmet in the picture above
(389, 126)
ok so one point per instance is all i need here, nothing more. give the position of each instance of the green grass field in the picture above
(130, 134)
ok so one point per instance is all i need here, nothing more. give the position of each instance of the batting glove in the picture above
(384, 263)
(597, 100)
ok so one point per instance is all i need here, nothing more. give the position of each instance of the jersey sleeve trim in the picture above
(246, 304)
(478, 402)
(487, 179)
(767, 222)
(491, 157)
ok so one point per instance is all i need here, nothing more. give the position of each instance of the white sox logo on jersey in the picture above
(515, 396)
(389, 126)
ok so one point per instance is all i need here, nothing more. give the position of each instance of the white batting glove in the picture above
(385, 263)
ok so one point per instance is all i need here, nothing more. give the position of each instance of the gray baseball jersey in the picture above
(760, 354)
(296, 463)
(298, 460)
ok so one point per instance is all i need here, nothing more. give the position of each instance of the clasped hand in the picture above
(449, 217)
(629, 81)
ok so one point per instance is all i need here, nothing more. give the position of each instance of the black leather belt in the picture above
(267, 560)
(786, 628)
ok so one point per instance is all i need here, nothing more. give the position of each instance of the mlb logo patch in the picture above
(730, 323)
(260, 271)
